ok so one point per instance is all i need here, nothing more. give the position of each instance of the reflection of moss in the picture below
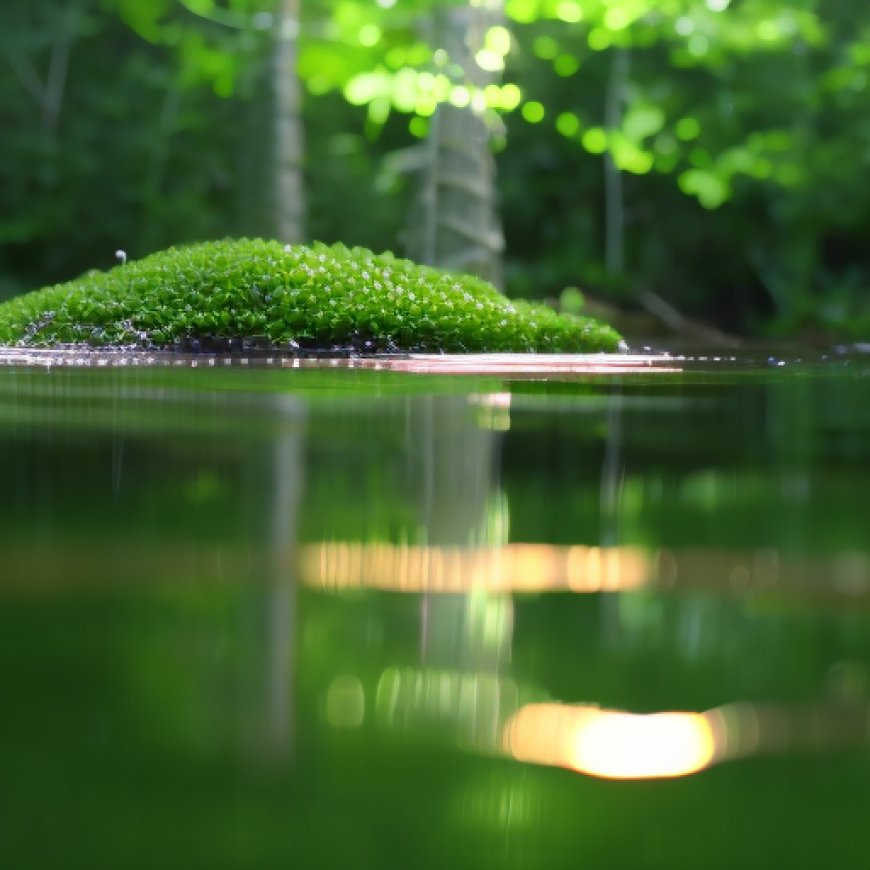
(249, 293)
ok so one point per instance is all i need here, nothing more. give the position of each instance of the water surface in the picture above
(421, 613)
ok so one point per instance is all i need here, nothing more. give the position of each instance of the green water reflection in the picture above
(359, 619)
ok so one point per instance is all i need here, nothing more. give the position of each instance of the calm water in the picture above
(257, 618)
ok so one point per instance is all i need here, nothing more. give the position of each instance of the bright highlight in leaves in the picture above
(627, 155)
(642, 120)
(489, 60)
(617, 18)
(599, 39)
(533, 111)
(545, 47)
(368, 86)
(459, 96)
(498, 40)
(594, 140)
(568, 124)
(566, 65)
(708, 187)
(570, 11)
(510, 96)
(419, 127)
(687, 129)
(369, 35)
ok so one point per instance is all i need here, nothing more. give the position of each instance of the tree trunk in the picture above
(455, 224)
(289, 182)
(614, 200)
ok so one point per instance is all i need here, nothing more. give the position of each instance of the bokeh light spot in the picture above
(569, 11)
(617, 18)
(568, 124)
(369, 35)
(594, 140)
(533, 111)
(598, 39)
(498, 40)
(510, 96)
(687, 129)
(545, 47)
(419, 127)
(566, 65)
(459, 96)
(489, 60)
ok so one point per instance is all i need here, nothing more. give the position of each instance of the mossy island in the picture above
(251, 293)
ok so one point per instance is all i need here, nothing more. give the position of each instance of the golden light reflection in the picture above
(612, 743)
(520, 567)
(616, 744)
(509, 568)
(480, 711)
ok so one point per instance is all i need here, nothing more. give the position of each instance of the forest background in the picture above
(686, 158)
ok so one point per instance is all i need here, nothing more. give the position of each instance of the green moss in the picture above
(260, 293)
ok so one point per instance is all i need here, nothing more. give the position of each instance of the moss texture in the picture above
(254, 293)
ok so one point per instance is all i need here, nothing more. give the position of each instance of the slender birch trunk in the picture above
(289, 181)
(614, 199)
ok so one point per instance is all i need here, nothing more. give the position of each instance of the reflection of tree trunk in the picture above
(289, 185)
(457, 458)
(280, 597)
(455, 224)
(273, 642)
(470, 632)
(609, 505)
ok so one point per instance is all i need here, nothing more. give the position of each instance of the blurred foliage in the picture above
(739, 127)
(742, 127)
(110, 141)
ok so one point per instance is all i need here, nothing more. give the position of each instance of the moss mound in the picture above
(254, 293)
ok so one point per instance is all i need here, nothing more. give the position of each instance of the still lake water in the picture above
(256, 617)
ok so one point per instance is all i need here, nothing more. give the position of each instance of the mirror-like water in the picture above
(265, 616)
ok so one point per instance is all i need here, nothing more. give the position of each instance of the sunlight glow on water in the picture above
(611, 743)
(512, 567)
(524, 567)
(478, 364)
(615, 744)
